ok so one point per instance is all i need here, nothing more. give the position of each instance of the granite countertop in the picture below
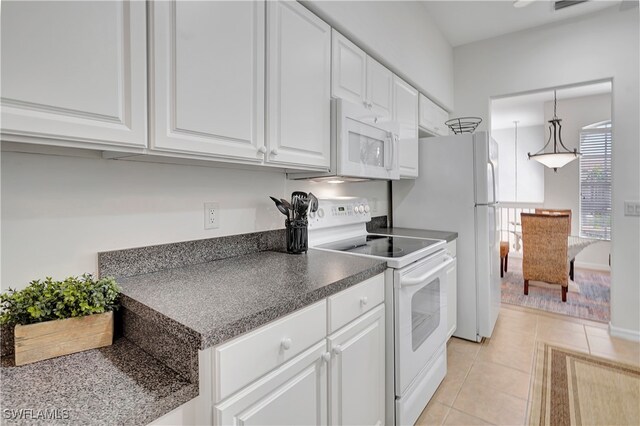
(421, 233)
(117, 384)
(216, 301)
(167, 316)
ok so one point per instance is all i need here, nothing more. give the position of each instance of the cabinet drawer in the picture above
(243, 360)
(451, 248)
(347, 305)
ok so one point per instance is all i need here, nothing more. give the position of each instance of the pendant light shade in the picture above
(559, 157)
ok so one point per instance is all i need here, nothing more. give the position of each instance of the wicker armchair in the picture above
(544, 249)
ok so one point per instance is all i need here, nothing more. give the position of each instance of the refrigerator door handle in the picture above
(493, 181)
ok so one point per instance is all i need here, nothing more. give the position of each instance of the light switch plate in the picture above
(632, 208)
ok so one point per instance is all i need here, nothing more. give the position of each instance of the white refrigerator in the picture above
(456, 191)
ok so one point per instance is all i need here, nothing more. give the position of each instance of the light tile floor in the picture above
(488, 383)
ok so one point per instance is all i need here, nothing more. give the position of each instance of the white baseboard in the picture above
(624, 333)
(592, 266)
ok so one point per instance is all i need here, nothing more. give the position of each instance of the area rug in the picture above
(573, 388)
(587, 298)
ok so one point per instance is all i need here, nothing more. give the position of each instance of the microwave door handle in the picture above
(388, 158)
(406, 282)
(394, 150)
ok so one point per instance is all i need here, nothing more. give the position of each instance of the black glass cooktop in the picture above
(380, 245)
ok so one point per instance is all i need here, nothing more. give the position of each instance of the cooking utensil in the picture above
(283, 209)
(299, 194)
(301, 208)
(313, 203)
(289, 207)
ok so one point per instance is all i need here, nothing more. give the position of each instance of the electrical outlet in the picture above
(632, 208)
(211, 215)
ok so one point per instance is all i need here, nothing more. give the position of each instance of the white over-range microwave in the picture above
(364, 145)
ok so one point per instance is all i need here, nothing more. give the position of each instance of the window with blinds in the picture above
(595, 181)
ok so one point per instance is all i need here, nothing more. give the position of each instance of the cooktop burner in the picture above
(380, 245)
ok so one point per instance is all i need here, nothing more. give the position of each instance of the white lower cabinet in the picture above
(293, 394)
(339, 379)
(357, 371)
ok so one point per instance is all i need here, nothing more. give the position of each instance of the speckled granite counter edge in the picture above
(228, 331)
(251, 322)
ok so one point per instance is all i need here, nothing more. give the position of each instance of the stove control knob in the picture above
(366, 208)
(320, 213)
(355, 209)
(361, 208)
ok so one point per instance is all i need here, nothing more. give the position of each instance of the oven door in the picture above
(420, 295)
(367, 147)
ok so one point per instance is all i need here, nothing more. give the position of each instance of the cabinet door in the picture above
(452, 299)
(207, 78)
(74, 73)
(379, 88)
(441, 117)
(405, 113)
(432, 117)
(348, 70)
(299, 87)
(357, 371)
(293, 394)
(426, 115)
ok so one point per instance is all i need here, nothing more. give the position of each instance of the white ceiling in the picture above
(463, 21)
(528, 109)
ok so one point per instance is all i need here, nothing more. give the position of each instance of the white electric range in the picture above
(415, 300)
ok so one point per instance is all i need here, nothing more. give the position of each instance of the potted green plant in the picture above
(54, 318)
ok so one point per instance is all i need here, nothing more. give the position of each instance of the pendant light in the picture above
(558, 158)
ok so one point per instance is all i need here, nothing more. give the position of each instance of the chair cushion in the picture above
(504, 248)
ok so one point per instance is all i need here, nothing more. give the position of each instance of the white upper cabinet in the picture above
(299, 87)
(405, 113)
(359, 78)
(74, 73)
(207, 78)
(379, 88)
(432, 117)
(349, 70)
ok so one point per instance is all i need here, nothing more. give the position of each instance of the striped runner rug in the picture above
(573, 388)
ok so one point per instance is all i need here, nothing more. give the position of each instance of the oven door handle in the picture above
(406, 282)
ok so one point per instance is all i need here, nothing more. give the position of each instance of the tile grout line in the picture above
(474, 363)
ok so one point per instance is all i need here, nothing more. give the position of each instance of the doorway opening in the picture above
(580, 190)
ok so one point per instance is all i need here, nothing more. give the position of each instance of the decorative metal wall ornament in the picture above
(556, 159)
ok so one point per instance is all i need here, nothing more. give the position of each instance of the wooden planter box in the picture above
(50, 339)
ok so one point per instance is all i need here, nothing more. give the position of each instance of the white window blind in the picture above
(595, 181)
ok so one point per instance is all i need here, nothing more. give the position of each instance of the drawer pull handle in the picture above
(364, 300)
(337, 350)
(286, 343)
(326, 357)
